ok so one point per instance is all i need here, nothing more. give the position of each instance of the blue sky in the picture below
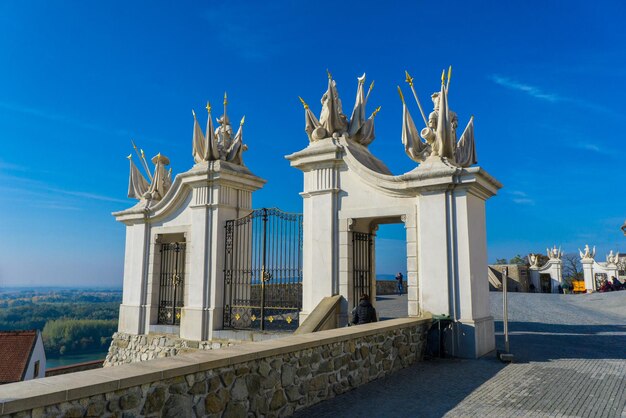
(544, 79)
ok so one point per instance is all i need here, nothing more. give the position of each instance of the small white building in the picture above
(22, 356)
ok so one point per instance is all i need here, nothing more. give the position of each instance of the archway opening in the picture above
(390, 256)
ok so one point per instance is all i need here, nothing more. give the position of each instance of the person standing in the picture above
(364, 313)
(400, 286)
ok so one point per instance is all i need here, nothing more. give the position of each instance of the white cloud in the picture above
(523, 201)
(526, 88)
(520, 197)
(538, 93)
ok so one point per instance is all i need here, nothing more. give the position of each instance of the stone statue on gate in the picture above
(612, 258)
(334, 123)
(439, 135)
(588, 254)
(159, 183)
(554, 253)
(219, 143)
(533, 259)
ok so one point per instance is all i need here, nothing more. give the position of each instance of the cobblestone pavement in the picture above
(570, 361)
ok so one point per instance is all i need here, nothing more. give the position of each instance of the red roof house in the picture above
(22, 356)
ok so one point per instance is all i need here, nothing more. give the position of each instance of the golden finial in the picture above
(134, 146)
(130, 156)
(306, 106)
(208, 107)
(371, 86)
(401, 95)
(375, 112)
(443, 76)
(142, 154)
(242, 120)
(409, 79)
(225, 99)
(330, 76)
(362, 81)
(449, 74)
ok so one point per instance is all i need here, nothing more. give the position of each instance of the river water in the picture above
(74, 359)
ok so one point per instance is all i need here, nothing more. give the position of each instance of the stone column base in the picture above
(131, 319)
(474, 338)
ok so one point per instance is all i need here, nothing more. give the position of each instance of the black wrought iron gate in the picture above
(263, 271)
(171, 281)
(361, 265)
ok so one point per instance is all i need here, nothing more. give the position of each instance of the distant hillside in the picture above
(73, 321)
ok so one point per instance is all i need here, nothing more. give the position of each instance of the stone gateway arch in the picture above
(348, 192)
(180, 264)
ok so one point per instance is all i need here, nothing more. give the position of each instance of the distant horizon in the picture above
(73, 287)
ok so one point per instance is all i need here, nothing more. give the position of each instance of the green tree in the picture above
(517, 260)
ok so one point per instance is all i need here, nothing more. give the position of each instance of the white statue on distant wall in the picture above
(440, 131)
(554, 253)
(587, 254)
(612, 258)
(334, 123)
(533, 259)
(219, 144)
(159, 182)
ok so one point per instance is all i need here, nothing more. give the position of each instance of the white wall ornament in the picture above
(158, 184)
(588, 254)
(348, 191)
(439, 133)
(612, 258)
(334, 123)
(533, 260)
(554, 253)
(218, 144)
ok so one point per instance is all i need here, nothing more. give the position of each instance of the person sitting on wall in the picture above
(364, 313)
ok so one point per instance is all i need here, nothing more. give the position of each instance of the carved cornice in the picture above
(200, 175)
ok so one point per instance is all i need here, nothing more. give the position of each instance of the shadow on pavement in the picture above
(536, 341)
(427, 389)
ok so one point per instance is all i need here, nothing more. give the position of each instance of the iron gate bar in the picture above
(263, 270)
(361, 265)
(171, 278)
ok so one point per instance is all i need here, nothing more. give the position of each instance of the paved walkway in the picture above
(570, 361)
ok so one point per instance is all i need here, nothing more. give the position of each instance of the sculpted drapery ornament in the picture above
(218, 144)
(440, 139)
(159, 183)
(612, 258)
(533, 259)
(334, 123)
(554, 253)
(588, 254)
